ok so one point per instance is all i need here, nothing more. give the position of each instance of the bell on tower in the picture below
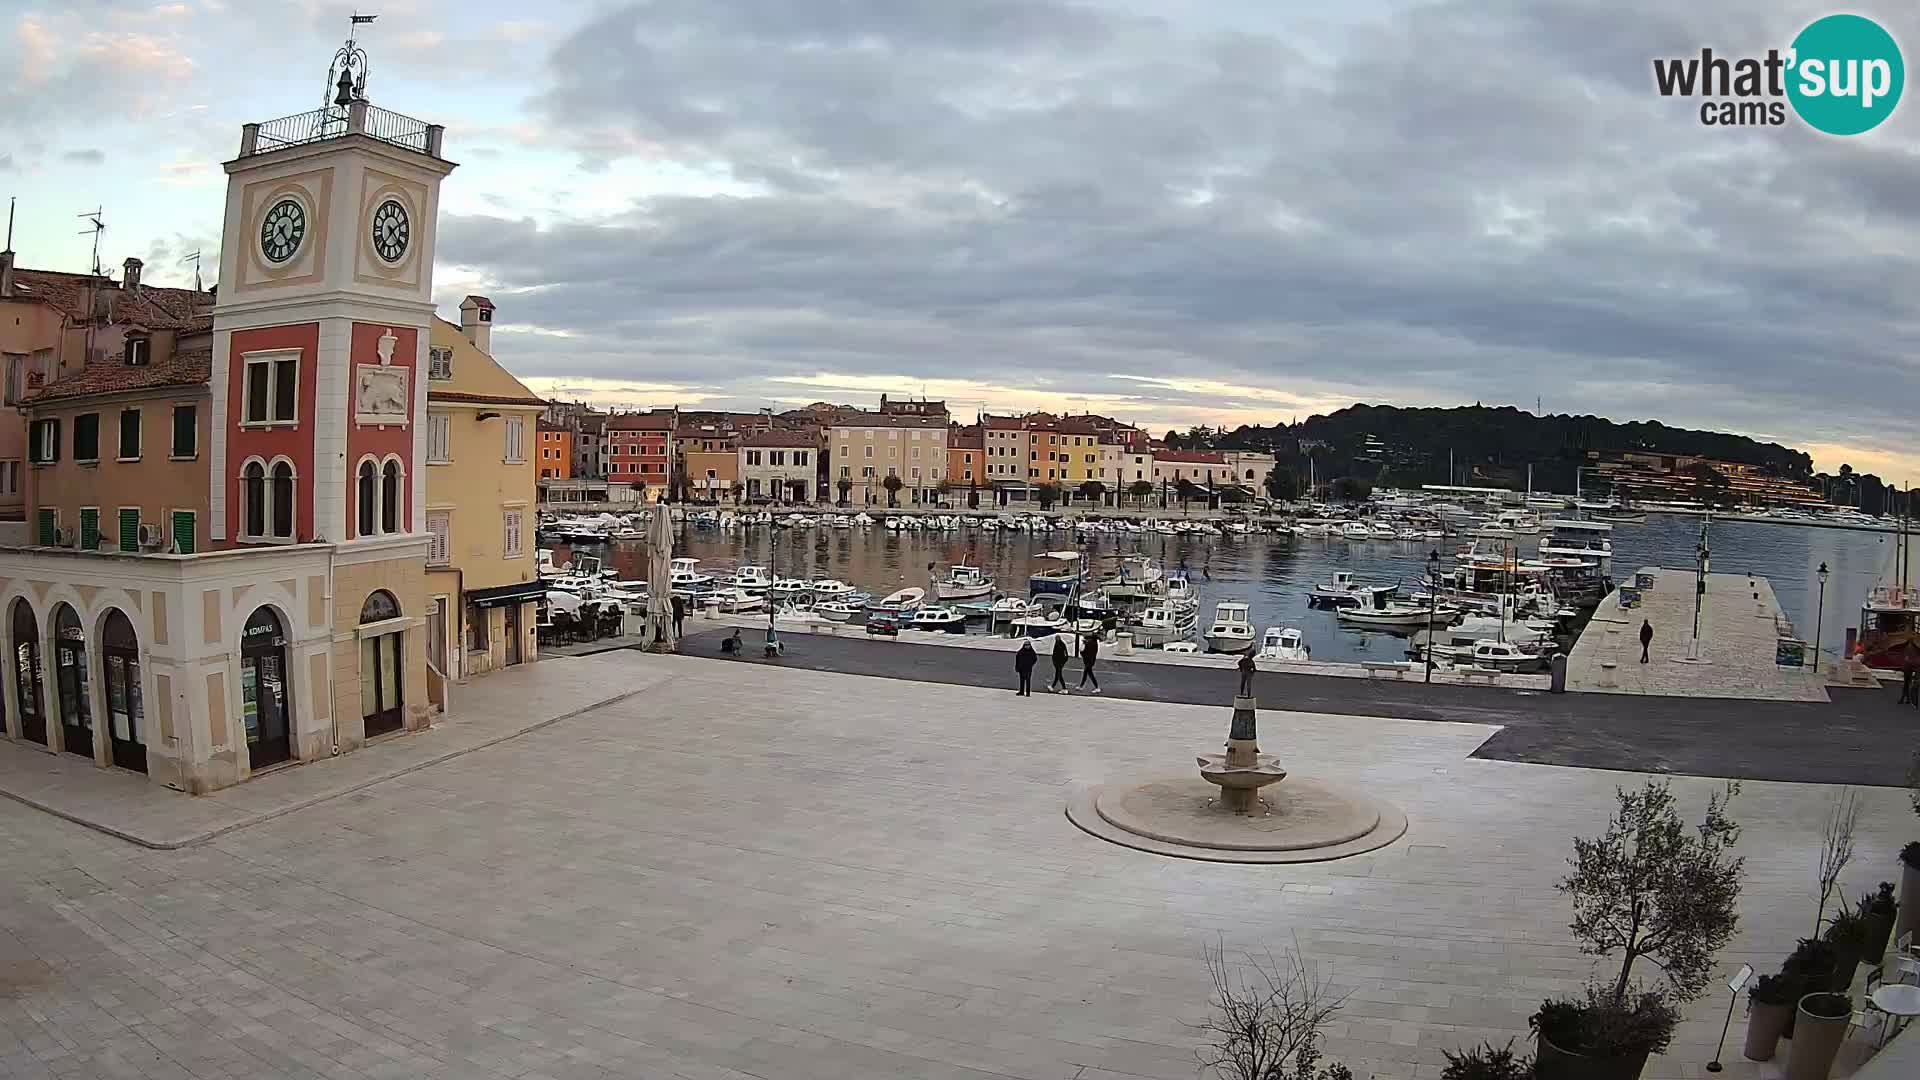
(350, 63)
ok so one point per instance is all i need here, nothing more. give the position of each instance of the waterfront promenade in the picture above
(1740, 623)
(746, 871)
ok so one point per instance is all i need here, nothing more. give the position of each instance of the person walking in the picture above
(1059, 683)
(1089, 652)
(679, 616)
(1646, 639)
(1023, 662)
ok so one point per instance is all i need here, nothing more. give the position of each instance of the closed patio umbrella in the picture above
(658, 636)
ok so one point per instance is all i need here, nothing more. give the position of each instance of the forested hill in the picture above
(1412, 445)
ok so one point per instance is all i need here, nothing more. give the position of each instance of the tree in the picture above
(893, 484)
(1281, 484)
(1048, 493)
(1350, 488)
(1235, 495)
(1092, 490)
(1185, 488)
(1265, 1020)
(1836, 847)
(1140, 489)
(1646, 887)
(736, 489)
(845, 485)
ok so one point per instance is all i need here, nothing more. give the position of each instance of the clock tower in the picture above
(320, 331)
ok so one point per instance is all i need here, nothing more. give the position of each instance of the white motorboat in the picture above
(682, 577)
(1505, 656)
(1588, 540)
(1380, 530)
(1343, 591)
(1161, 624)
(829, 589)
(1039, 624)
(737, 601)
(905, 602)
(1284, 644)
(1180, 647)
(943, 619)
(1356, 530)
(964, 582)
(1009, 607)
(1180, 592)
(1231, 630)
(863, 519)
(839, 610)
(753, 579)
(1384, 614)
(1059, 575)
(791, 588)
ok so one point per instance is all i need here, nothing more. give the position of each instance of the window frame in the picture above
(513, 533)
(43, 441)
(193, 428)
(270, 360)
(139, 435)
(94, 458)
(514, 450)
(440, 539)
(439, 428)
(139, 345)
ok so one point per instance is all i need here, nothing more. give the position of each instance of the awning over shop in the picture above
(524, 592)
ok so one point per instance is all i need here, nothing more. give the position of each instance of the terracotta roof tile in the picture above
(148, 306)
(799, 440)
(193, 368)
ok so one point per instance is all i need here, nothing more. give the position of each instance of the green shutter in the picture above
(130, 529)
(183, 531)
(89, 528)
(48, 518)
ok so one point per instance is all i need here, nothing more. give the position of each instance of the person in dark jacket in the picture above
(1089, 652)
(1060, 654)
(679, 615)
(1023, 662)
(1646, 639)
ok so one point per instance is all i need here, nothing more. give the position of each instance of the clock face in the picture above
(282, 230)
(391, 231)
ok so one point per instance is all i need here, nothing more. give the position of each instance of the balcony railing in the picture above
(333, 122)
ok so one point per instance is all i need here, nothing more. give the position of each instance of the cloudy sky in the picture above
(1174, 211)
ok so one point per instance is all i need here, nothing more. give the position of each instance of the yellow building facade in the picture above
(482, 566)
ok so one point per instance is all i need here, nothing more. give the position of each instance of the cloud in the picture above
(84, 157)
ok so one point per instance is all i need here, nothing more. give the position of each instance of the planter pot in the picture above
(1909, 915)
(1816, 1040)
(1553, 1063)
(1765, 1025)
(1843, 971)
(1879, 932)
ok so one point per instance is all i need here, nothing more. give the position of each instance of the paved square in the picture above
(747, 871)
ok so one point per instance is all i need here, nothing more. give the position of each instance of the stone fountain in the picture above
(1243, 770)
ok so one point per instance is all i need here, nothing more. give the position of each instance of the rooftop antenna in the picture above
(194, 258)
(10, 201)
(98, 225)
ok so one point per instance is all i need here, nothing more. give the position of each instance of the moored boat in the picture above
(1231, 630)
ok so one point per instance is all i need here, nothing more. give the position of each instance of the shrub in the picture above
(1487, 1063)
(1782, 989)
(1605, 1025)
(1265, 1020)
(1847, 932)
(1812, 957)
(1911, 854)
(1879, 902)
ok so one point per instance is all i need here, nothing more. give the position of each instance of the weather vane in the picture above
(347, 75)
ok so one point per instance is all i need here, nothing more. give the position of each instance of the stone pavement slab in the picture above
(1739, 624)
(754, 871)
(129, 806)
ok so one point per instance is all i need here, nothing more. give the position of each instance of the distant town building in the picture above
(779, 466)
(869, 447)
(556, 451)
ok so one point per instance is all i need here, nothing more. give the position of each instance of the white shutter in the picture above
(437, 528)
(516, 438)
(510, 545)
(439, 437)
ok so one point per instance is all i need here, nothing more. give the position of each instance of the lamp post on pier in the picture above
(1433, 604)
(1819, 614)
(1702, 559)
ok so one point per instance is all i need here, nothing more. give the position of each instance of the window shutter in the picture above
(437, 528)
(89, 528)
(183, 531)
(130, 529)
(49, 524)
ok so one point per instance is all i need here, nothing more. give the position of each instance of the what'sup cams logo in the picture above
(1842, 75)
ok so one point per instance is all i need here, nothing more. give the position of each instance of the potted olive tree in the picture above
(1770, 1004)
(1878, 908)
(1847, 932)
(1649, 886)
(1909, 915)
(1487, 1063)
(1821, 1028)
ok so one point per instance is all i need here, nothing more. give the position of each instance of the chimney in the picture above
(6, 274)
(131, 279)
(476, 321)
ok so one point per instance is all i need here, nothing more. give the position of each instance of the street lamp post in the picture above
(1433, 604)
(1819, 614)
(1701, 557)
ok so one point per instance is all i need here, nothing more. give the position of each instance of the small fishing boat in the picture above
(1039, 624)
(829, 589)
(1187, 647)
(753, 579)
(839, 610)
(1009, 607)
(1059, 575)
(1286, 643)
(683, 577)
(1385, 615)
(737, 601)
(942, 619)
(1161, 624)
(964, 582)
(1343, 591)
(905, 602)
(1231, 630)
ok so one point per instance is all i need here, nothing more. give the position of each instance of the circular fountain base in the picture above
(1304, 821)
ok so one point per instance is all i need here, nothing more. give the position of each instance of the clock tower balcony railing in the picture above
(333, 122)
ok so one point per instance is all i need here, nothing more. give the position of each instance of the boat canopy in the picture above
(1063, 556)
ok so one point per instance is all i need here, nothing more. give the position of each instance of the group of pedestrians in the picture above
(1026, 659)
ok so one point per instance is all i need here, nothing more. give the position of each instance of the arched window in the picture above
(265, 696)
(364, 523)
(126, 721)
(390, 498)
(253, 499)
(380, 606)
(282, 499)
(26, 672)
(70, 678)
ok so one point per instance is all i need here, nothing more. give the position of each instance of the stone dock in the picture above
(1740, 625)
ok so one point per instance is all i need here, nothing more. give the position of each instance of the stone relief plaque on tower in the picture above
(380, 390)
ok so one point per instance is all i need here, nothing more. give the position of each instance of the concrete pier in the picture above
(1740, 623)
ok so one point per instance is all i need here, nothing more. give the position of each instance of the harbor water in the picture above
(1273, 573)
